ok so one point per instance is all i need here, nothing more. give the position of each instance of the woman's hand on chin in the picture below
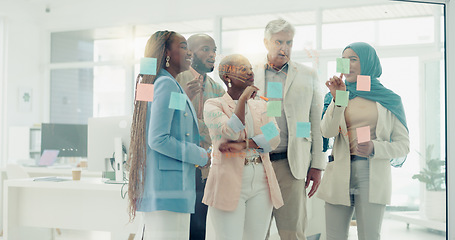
(249, 92)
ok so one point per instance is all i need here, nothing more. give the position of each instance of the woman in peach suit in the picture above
(241, 188)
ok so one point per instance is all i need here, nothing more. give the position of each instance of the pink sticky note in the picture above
(363, 83)
(144, 92)
(363, 134)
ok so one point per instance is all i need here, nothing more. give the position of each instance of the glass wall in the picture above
(99, 66)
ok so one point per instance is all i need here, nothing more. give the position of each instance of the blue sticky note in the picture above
(274, 90)
(343, 65)
(269, 130)
(303, 129)
(342, 98)
(148, 66)
(177, 101)
(274, 108)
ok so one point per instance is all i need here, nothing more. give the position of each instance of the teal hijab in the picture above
(371, 66)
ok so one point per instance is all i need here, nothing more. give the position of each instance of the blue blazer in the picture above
(172, 151)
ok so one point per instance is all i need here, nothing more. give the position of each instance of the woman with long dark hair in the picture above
(164, 149)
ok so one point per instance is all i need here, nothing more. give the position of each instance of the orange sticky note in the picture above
(144, 92)
(363, 134)
(363, 83)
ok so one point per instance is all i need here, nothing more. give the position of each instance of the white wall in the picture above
(23, 65)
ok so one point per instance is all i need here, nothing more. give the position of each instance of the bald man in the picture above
(199, 87)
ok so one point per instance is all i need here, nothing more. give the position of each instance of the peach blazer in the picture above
(224, 182)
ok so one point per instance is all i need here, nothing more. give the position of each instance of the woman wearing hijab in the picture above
(358, 175)
(242, 188)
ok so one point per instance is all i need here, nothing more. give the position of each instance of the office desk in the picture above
(41, 172)
(88, 204)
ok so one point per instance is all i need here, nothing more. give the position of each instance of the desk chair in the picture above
(15, 171)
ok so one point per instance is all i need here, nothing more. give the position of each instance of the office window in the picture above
(245, 34)
(71, 95)
(187, 28)
(379, 33)
(109, 96)
(381, 25)
(418, 30)
(339, 35)
(94, 45)
(93, 84)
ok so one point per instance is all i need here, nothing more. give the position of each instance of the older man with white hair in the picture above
(298, 160)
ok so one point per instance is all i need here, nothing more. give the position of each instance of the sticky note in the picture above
(363, 134)
(303, 129)
(342, 98)
(363, 83)
(144, 92)
(274, 90)
(177, 101)
(343, 65)
(274, 108)
(269, 130)
(148, 66)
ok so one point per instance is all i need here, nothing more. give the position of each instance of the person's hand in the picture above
(209, 161)
(315, 176)
(335, 83)
(231, 147)
(365, 148)
(193, 87)
(249, 92)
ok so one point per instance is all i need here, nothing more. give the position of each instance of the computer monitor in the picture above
(102, 135)
(69, 139)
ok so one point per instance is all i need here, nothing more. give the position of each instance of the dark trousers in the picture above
(198, 219)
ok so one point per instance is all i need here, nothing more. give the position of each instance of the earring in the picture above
(167, 61)
(229, 83)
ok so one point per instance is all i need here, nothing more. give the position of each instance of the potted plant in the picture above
(433, 175)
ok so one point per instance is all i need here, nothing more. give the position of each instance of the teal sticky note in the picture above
(177, 101)
(274, 108)
(343, 65)
(148, 66)
(303, 129)
(274, 90)
(269, 130)
(342, 98)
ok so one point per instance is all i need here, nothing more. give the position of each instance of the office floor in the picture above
(391, 230)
